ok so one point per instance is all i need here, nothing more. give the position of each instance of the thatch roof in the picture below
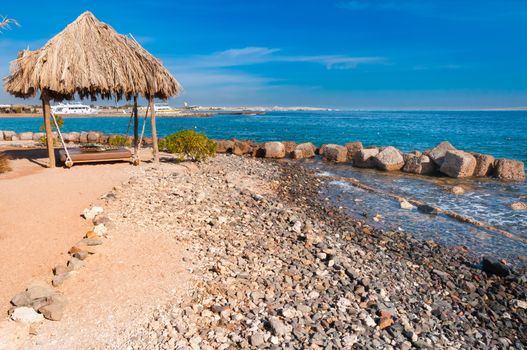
(91, 59)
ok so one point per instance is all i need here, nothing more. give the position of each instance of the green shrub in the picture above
(60, 122)
(119, 140)
(4, 163)
(189, 144)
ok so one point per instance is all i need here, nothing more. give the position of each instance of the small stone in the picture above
(89, 242)
(257, 339)
(53, 311)
(91, 234)
(100, 230)
(457, 190)
(385, 322)
(40, 291)
(61, 269)
(75, 264)
(21, 299)
(493, 266)
(26, 315)
(278, 328)
(59, 279)
(82, 255)
(91, 213)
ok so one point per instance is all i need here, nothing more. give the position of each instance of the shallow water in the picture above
(485, 200)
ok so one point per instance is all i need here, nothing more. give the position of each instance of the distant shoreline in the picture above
(127, 115)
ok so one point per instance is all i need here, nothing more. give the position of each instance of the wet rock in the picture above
(484, 164)
(304, 150)
(519, 206)
(290, 147)
(457, 190)
(353, 148)
(493, 266)
(509, 170)
(438, 153)
(406, 205)
(427, 209)
(365, 158)
(274, 150)
(389, 159)
(334, 153)
(458, 164)
(421, 165)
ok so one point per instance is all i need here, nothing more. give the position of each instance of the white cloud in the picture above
(258, 55)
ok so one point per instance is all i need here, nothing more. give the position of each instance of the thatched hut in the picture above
(90, 59)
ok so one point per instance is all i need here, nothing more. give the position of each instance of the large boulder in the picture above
(458, 164)
(93, 137)
(8, 135)
(353, 147)
(389, 159)
(335, 153)
(421, 165)
(304, 150)
(365, 158)
(25, 136)
(224, 146)
(409, 155)
(509, 170)
(37, 136)
(242, 147)
(72, 137)
(438, 153)
(274, 150)
(290, 147)
(83, 137)
(484, 164)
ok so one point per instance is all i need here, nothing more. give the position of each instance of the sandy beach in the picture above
(243, 253)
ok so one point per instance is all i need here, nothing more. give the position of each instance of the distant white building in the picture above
(5, 106)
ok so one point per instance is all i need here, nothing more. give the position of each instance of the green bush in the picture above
(60, 122)
(119, 140)
(189, 144)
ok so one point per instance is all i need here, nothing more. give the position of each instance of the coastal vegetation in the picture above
(119, 140)
(189, 144)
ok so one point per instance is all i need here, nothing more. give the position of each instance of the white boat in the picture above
(73, 108)
(164, 108)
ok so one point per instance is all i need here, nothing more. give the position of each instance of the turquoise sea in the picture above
(502, 134)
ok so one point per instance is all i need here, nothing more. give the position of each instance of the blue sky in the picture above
(342, 54)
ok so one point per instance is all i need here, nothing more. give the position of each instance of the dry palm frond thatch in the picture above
(4, 163)
(90, 59)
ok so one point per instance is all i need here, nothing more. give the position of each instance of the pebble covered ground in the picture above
(277, 266)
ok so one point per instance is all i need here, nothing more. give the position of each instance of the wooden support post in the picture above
(136, 132)
(154, 129)
(46, 110)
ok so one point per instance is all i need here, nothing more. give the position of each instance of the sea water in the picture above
(499, 133)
